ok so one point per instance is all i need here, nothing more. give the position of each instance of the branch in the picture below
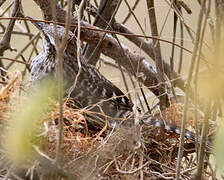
(131, 61)
(157, 53)
(5, 42)
(148, 48)
(2, 2)
(105, 17)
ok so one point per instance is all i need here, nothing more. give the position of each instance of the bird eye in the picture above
(46, 37)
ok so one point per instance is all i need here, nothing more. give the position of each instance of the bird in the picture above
(92, 89)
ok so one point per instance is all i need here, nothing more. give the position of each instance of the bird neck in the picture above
(49, 48)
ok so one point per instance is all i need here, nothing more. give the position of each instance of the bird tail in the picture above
(173, 128)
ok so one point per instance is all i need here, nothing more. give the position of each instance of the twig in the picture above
(130, 11)
(129, 172)
(157, 54)
(135, 17)
(197, 72)
(14, 60)
(48, 163)
(180, 152)
(201, 154)
(182, 44)
(60, 49)
(5, 42)
(2, 2)
(105, 15)
(78, 49)
(6, 9)
(160, 175)
(22, 50)
(89, 28)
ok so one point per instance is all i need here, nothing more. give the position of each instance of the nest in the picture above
(122, 153)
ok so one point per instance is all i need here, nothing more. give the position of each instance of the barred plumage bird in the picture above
(92, 88)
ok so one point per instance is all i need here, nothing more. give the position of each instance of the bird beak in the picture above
(39, 25)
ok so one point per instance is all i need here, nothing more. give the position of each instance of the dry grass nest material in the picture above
(106, 154)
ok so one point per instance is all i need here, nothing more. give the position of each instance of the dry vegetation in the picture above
(90, 151)
(96, 153)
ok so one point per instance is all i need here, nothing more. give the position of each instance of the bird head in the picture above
(48, 33)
